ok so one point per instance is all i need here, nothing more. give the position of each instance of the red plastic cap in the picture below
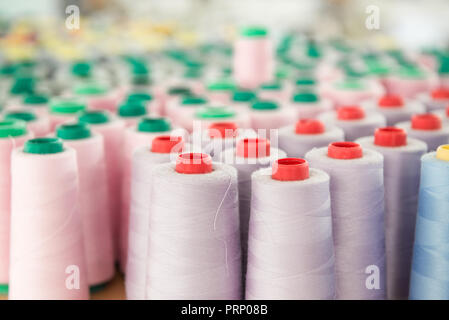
(253, 148)
(440, 94)
(350, 113)
(426, 121)
(290, 169)
(344, 150)
(309, 126)
(391, 101)
(390, 137)
(223, 130)
(165, 144)
(193, 163)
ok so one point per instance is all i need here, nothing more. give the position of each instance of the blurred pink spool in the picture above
(7, 144)
(268, 115)
(93, 200)
(410, 85)
(352, 91)
(38, 125)
(65, 110)
(47, 248)
(135, 137)
(253, 61)
(308, 105)
(112, 131)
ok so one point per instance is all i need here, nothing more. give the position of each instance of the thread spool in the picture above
(268, 115)
(308, 104)
(394, 108)
(172, 93)
(352, 91)
(182, 111)
(131, 111)
(426, 127)
(253, 58)
(249, 155)
(409, 82)
(307, 134)
(38, 103)
(220, 91)
(444, 115)
(290, 246)
(93, 201)
(152, 104)
(64, 110)
(135, 137)
(430, 262)
(209, 226)
(47, 252)
(274, 91)
(162, 150)
(210, 114)
(354, 121)
(97, 96)
(402, 162)
(357, 202)
(437, 99)
(112, 130)
(243, 98)
(13, 133)
(39, 126)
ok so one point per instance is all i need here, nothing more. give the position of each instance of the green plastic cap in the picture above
(444, 66)
(23, 85)
(215, 112)
(271, 86)
(192, 100)
(21, 115)
(193, 73)
(222, 86)
(153, 124)
(179, 90)
(12, 128)
(67, 106)
(73, 131)
(254, 32)
(305, 82)
(133, 108)
(90, 89)
(35, 99)
(350, 84)
(140, 79)
(94, 117)
(140, 96)
(305, 97)
(43, 146)
(411, 73)
(265, 105)
(81, 69)
(243, 96)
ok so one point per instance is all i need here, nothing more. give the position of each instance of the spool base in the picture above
(4, 289)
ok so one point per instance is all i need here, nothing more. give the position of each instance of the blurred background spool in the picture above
(97, 96)
(47, 251)
(267, 115)
(402, 164)
(136, 136)
(308, 104)
(13, 134)
(38, 125)
(37, 103)
(112, 130)
(162, 150)
(307, 134)
(64, 110)
(249, 155)
(394, 108)
(253, 60)
(194, 247)
(437, 99)
(357, 202)
(290, 245)
(427, 127)
(94, 206)
(131, 112)
(429, 277)
(354, 121)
